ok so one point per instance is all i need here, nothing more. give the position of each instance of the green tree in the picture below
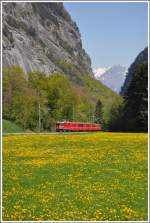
(58, 96)
(19, 99)
(136, 100)
(24, 111)
(116, 122)
(61, 97)
(14, 83)
(99, 112)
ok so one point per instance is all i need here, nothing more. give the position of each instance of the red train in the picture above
(77, 127)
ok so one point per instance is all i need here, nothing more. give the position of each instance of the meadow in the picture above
(89, 177)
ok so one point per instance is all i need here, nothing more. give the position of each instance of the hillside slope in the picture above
(42, 37)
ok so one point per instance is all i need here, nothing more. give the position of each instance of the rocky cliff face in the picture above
(37, 36)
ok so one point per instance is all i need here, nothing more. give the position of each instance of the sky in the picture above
(111, 33)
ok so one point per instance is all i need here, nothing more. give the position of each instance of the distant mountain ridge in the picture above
(113, 77)
(100, 71)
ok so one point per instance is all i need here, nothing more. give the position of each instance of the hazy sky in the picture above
(112, 33)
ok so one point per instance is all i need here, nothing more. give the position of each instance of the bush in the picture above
(10, 127)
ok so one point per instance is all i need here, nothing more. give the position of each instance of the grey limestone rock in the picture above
(37, 35)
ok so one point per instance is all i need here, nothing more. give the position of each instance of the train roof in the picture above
(77, 122)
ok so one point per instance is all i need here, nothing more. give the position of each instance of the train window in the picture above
(80, 125)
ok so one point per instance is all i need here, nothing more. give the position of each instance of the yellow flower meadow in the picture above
(74, 177)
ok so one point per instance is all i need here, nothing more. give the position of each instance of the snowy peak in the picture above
(113, 77)
(99, 71)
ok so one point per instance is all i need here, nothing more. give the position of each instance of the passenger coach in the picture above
(77, 127)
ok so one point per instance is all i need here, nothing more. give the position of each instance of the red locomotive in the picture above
(77, 127)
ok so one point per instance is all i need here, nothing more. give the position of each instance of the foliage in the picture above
(136, 100)
(70, 95)
(89, 177)
(58, 92)
(99, 112)
(116, 121)
(132, 114)
(19, 100)
(91, 90)
(10, 127)
(61, 97)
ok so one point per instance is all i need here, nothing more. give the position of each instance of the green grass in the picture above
(99, 176)
(10, 127)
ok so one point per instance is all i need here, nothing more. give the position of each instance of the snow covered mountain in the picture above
(99, 71)
(113, 77)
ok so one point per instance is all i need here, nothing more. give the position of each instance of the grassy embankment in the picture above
(99, 176)
(10, 127)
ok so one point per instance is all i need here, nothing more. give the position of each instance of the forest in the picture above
(36, 101)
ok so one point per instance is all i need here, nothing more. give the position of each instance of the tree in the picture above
(14, 83)
(136, 100)
(132, 115)
(61, 97)
(19, 99)
(116, 122)
(38, 81)
(99, 112)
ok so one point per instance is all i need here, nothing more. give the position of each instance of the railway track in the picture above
(46, 133)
